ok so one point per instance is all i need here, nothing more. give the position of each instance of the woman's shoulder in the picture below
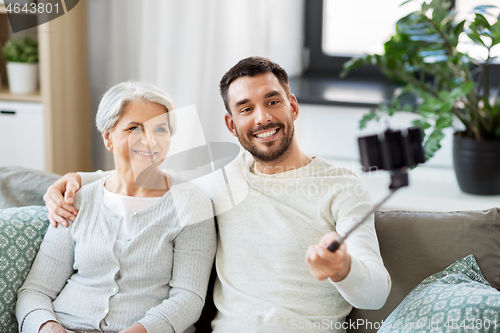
(88, 192)
(191, 203)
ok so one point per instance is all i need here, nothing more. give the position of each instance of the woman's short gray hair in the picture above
(113, 103)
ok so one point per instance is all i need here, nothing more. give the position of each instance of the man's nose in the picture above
(261, 115)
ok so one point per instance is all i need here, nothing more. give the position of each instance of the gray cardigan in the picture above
(160, 280)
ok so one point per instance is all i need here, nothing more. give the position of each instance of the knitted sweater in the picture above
(159, 281)
(264, 284)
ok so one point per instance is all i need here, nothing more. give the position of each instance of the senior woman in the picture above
(129, 262)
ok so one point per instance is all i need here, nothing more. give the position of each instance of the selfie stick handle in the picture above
(398, 179)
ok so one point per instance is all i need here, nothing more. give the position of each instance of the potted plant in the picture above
(452, 88)
(21, 55)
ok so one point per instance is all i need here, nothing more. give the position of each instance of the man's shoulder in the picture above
(322, 168)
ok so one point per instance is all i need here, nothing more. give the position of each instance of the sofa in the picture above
(413, 245)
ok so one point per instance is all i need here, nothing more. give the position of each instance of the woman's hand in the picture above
(136, 328)
(52, 327)
(59, 199)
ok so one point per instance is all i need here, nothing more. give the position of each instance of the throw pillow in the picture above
(23, 187)
(457, 299)
(21, 233)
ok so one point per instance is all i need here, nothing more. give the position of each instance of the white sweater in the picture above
(160, 279)
(264, 284)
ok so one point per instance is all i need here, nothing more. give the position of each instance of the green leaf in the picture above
(475, 37)
(433, 143)
(367, 118)
(426, 111)
(467, 88)
(421, 123)
(483, 9)
(354, 63)
(444, 121)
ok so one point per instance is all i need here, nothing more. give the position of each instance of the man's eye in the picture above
(245, 110)
(273, 102)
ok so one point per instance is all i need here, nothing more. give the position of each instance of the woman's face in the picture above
(141, 137)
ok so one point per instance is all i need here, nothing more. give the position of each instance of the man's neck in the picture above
(292, 159)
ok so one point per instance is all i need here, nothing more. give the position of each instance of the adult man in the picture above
(293, 201)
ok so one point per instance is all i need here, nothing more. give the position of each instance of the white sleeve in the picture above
(367, 285)
(90, 177)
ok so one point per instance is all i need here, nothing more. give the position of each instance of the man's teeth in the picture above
(144, 153)
(266, 134)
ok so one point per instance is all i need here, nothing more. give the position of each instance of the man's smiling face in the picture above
(262, 115)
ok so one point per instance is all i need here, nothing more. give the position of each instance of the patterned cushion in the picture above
(457, 299)
(21, 232)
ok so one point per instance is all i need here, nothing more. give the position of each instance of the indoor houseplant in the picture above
(21, 55)
(452, 88)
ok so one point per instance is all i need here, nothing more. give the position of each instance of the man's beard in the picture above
(270, 154)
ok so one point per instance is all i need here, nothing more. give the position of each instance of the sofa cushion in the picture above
(21, 232)
(23, 187)
(455, 299)
(415, 245)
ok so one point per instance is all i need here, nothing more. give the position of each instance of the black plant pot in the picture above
(477, 165)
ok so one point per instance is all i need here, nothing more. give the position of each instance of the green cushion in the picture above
(21, 232)
(457, 299)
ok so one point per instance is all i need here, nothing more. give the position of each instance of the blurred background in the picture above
(185, 47)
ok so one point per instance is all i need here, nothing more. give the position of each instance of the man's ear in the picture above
(230, 124)
(294, 105)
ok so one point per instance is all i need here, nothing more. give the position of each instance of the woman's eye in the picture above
(134, 128)
(162, 130)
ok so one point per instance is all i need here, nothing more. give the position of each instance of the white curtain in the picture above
(185, 46)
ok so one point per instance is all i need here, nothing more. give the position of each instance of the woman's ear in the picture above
(106, 136)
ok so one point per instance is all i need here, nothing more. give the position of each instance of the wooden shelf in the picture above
(6, 95)
(64, 87)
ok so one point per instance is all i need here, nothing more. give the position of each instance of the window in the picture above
(358, 26)
(336, 30)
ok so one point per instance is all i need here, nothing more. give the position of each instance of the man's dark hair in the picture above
(252, 66)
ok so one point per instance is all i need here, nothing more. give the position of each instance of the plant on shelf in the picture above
(450, 84)
(21, 55)
(21, 50)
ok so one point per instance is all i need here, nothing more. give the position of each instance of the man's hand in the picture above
(325, 264)
(136, 328)
(60, 208)
(51, 327)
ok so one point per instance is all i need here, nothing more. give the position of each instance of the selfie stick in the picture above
(399, 178)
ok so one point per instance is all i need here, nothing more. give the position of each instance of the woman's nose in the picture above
(148, 139)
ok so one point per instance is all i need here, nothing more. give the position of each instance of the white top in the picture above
(264, 284)
(125, 206)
